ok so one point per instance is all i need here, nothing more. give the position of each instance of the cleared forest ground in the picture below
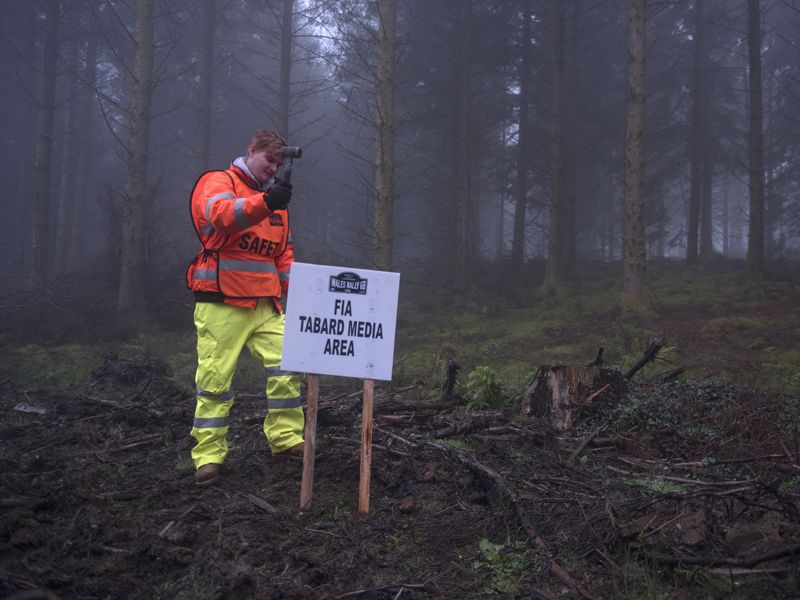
(693, 492)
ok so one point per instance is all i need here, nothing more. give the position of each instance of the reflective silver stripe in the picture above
(284, 402)
(238, 212)
(208, 229)
(248, 266)
(283, 275)
(220, 196)
(205, 274)
(221, 397)
(226, 195)
(201, 423)
(277, 372)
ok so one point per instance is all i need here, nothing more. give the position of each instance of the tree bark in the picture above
(559, 394)
(634, 255)
(206, 83)
(84, 138)
(523, 144)
(26, 151)
(696, 134)
(44, 149)
(569, 129)
(66, 193)
(706, 199)
(131, 295)
(384, 161)
(284, 88)
(755, 238)
(463, 149)
(725, 221)
(554, 277)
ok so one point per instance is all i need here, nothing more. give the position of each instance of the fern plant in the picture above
(483, 389)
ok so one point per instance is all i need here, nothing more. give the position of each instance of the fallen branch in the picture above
(586, 441)
(684, 479)
(478, 420)
(649, 356)
(263, 504)
(397, 437)
(375, 446)
(397, 419)
(716, 461)
(686, 559)
(790, 457)
(579, 407)
(668, 375)
(396, 586)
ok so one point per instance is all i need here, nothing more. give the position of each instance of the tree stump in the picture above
(560, 393)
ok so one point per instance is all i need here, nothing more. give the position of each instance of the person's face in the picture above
(263, 163)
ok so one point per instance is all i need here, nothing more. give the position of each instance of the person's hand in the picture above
(279, 195)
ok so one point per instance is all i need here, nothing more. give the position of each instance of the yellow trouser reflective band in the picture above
(277, 372)
(205, 423)
(284, 402)
(221, 397)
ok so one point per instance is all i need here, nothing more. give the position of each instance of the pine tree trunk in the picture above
(634, 255)
(463, 150)
(706, 204)
(696, 134)
(755, 238)
(284, 87)
(725, 218)
(384, 160)
(84, 138)
(66, 194)
(554, 277)
(206, 84)
(570, 131)
(500, 229)
(44, 150)
(131, 296)
(523, 144)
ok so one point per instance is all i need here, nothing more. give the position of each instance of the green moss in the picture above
(176, 349)
(35, 366)
(734, 326)
(713, 323)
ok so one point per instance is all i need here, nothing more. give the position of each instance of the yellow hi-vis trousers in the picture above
(222, 331)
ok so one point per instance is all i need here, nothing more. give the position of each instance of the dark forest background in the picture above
(448, 138)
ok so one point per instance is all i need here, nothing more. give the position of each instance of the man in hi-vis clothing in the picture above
(238, 279)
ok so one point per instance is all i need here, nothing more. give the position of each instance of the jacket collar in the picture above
(239, 166)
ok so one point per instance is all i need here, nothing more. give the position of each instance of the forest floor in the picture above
(691, 492)
(688, 488)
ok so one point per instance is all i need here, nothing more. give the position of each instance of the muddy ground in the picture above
(689, 490)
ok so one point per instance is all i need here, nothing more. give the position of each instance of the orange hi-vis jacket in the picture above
(247, 249)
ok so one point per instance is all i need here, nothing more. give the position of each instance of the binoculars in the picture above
(291, 152)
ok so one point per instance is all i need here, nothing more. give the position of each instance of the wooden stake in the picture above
(366, 446)
(310, 438)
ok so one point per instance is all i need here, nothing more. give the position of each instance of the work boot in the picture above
(294, 454)
(207, 475)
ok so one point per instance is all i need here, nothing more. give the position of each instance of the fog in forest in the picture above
(442, 137)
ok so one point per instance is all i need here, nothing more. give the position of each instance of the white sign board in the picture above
(340, 321)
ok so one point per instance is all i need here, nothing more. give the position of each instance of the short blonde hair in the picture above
(266, 140)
